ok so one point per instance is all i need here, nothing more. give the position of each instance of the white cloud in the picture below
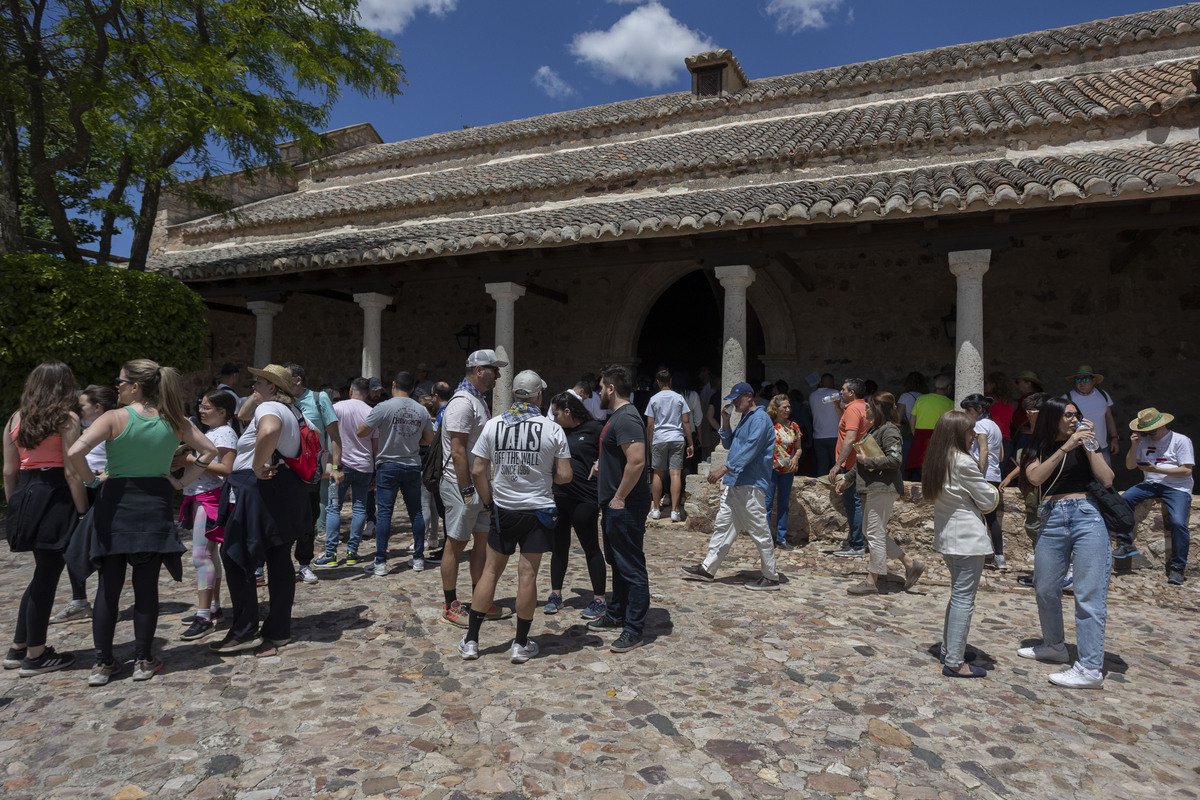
(552, 83)
(391, 16)
(796, 15)
(646, 46)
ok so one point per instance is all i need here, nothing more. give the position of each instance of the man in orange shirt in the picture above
(852, 427)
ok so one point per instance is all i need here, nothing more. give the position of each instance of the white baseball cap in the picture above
(527, 384)
(485, 358)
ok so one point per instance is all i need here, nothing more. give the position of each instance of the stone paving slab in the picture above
(803, 693)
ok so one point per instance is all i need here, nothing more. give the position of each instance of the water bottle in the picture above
(1089, 442)
(831, 398)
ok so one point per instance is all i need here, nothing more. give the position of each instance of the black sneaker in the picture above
(1025, 580)
(216, 617)
(625, 642)
(200, 628)
(1176, 577)
(1126, 551)
(14, 658)
(605, 623)
(696, 573)
(784, 544)
(232, 644)
(48, 661)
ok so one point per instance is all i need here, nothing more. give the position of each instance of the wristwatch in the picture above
(467, 492)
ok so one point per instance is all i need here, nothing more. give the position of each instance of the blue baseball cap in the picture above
(740, 389)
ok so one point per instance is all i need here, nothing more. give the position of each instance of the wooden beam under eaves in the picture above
(798, 273)
(542, 291)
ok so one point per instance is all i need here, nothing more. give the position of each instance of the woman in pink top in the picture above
(45, 499)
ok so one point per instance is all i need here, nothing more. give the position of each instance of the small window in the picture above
(707, 81)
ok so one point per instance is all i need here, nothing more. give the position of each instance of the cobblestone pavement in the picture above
(804, 693)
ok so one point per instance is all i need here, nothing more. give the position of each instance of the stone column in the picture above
(264, 329)
(372, 304)
(735, 280)
(968, 266)
(505, 294)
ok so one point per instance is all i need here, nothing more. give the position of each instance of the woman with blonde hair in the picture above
(785, 462)
(951, 479)
(45, 498)
(130, 523)
(879, 482)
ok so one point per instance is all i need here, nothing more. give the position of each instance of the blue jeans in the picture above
(358, 481)
(1177, 502)
(405, 479)
(824, 451)
(624, 549)
(852, 503)
(780, 484)
(1073, 531)
(965, 572)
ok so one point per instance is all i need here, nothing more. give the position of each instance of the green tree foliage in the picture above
(141, 95)
(93, 318)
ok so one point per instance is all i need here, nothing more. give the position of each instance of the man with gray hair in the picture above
(529, 453)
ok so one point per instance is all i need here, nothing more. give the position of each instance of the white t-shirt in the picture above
(667, 409)
(97, 457)
(462, 416)
(1093, 407)
(995, 443)
(906, 402)
(289, 434)
(222, 437)
(522, 457)
(825, 415)
(1173, 450)
(693, 403)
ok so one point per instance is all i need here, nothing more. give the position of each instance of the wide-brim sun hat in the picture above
(279, 377)
(1149, 419)
(1086, 369)
(1029, 375)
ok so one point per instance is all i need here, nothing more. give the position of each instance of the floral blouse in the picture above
(787, 437)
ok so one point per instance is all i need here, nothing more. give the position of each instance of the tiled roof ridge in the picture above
(992, 182)
(936, 63)
(792, 141)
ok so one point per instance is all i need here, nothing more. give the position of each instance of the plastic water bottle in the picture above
(831, 398)
(1089, 443)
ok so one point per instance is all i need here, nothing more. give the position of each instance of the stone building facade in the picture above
(1023, 203)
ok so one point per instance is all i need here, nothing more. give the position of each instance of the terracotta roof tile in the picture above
(953, 187)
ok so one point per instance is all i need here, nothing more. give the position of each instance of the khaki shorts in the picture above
(667, 455)
(462, 519)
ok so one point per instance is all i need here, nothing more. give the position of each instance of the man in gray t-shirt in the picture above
(404, 426)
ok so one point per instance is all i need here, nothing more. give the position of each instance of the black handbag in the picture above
(1118, 517)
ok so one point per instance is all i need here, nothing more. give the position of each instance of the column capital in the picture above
(738, 276)
(264, 308)
(504, 291)
(372, 300)
(969, 263)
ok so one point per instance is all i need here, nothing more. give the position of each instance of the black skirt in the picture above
(41, 513)
(131, 517)
(259, 515)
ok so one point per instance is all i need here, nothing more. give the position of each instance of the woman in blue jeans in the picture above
(951, 479)
(1072, 530)
(786, 461)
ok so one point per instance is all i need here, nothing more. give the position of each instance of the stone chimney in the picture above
(715, 74)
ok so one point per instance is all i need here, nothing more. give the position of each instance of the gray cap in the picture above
(527, 384)
(485, 358)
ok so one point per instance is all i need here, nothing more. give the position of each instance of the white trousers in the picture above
(742, 509)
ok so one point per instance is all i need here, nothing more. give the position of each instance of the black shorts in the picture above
(533, 531)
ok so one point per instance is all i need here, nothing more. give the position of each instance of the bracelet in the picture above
(466, 492)
(203, 464)
(95, 482)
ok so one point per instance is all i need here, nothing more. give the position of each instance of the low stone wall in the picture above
(817, 517)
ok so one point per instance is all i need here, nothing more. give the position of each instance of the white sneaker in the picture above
(1055, 654)
(308, 576)
(655, 513)
(1001, 564)
(418, 565)
(376, 568)
(676, 516)
(1077, 677)
(520, 654)
(468, 650)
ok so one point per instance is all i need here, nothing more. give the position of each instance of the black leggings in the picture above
(243, 594)
(995, 524)
(146, 568)
(583, 515)
(33, 618)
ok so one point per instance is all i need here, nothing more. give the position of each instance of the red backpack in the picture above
(309, 464)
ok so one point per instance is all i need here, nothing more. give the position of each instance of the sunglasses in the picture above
(1084, 379)
(121, 381)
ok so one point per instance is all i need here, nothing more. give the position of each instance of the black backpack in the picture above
(434, 461)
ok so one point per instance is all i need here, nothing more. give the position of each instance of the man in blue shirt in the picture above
(745, 475)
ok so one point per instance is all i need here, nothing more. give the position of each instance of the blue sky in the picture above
(475, 62)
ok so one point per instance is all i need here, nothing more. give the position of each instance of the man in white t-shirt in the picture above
(1095, 406)
(354, 474)
(825, 418)
(668, 427)
(1166, 460)
(529, 454)
(463, 419)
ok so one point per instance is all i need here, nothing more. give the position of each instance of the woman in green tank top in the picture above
(130, 523)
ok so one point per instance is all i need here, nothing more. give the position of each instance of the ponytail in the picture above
(162, 387)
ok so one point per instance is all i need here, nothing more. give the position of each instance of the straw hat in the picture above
(1149, 419)
(1029, 375)
(1086, 369)
(279, 377)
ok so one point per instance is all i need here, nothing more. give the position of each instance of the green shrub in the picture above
(94, 318)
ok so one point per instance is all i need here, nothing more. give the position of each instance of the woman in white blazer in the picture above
(951, 479)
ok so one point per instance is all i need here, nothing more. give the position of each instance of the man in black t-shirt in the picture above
(624, 495)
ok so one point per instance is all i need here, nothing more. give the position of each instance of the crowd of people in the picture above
(91, 479)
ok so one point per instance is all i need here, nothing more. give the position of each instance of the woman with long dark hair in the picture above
(879, 482)
(45, 498)
(577, 506)
(131, 523)
(1058, 463)
(951, 479)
